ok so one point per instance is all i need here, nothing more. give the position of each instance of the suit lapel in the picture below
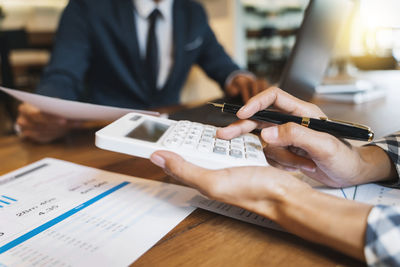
(178, 39)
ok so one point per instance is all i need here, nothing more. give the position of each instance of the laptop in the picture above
(323, 22)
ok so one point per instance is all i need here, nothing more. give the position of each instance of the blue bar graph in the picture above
(5, 202)
(9, 198)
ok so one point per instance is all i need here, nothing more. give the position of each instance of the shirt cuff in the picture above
(382, 236)
(239, 72)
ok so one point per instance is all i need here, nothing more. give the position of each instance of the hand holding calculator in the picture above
(141, 135)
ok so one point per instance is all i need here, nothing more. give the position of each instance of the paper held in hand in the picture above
(72, 109)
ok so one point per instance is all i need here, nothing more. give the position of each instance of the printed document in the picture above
(56, 213)
(72, 109)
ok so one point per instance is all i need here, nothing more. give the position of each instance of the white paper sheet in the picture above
(72, 109)
(233, 212)
(56, 213)
(377, 195)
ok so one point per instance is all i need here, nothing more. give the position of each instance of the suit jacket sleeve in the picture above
(213, 59)
(64, 76)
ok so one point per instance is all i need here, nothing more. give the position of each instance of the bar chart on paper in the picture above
(63, 214)
(6, 201)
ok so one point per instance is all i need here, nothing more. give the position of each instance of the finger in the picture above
(288, 159)
(277, 165)
(232, 90)
(184, 171)
(236, 129)
(254, 87)
(35, 115)
(40, 137)
(298, 151)
(242, 84)
(281, 100)
(292, 134)
(25, 123)
(39, 133)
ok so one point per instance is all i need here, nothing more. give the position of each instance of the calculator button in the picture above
(236, 153)
(252, 156)
(237, 140)
(197, 127)
(220, 150)
(192, 137)
(207, 135)
(184, 123)
(204, 147)
(210, 129)
(250, 138)
(189, 144)
(253, 145)
(222, 143)
(171, 143)
(179, 135)
(237, 146)
(207, 140)
(251, 149)
(183, 129)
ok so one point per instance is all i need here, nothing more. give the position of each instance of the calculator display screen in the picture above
(149, 131)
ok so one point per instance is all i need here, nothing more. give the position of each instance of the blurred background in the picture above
(259, 34)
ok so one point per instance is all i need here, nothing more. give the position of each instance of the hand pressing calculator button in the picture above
(195, 142)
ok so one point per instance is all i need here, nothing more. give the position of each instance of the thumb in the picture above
(318, 145)
(179, 168)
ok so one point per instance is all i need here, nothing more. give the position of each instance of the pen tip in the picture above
(216, 104)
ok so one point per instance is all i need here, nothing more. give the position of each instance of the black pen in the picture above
(334, 127)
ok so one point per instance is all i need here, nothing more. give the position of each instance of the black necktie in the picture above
(152, 59)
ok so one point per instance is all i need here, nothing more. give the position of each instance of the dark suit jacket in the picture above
(96, 55)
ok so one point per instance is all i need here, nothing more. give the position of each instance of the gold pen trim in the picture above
(305, 122)
(217, 105)
(347, 123)
(370, 133)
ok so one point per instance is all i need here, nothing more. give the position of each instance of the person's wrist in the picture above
(289, 198)
(375, 165)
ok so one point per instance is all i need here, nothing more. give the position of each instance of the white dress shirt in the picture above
(164, 32)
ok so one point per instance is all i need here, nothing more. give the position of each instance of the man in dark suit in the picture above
(132, 54)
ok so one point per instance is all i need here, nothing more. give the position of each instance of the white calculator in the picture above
(141, 135)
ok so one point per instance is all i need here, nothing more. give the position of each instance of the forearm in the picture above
(324, 219)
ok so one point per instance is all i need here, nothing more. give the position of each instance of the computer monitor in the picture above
(322, 24)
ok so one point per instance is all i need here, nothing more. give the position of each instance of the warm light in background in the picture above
(34, 3)
(376, 27)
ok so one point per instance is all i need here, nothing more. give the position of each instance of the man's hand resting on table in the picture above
(42, 127)
(246, 86)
